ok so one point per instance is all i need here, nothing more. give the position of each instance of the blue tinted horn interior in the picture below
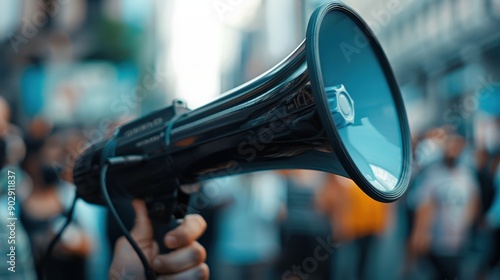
(374, 141)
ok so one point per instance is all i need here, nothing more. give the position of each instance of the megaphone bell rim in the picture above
(318, 89)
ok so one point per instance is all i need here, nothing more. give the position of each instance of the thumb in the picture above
(142, 230)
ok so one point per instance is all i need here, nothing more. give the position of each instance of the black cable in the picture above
(148, 272)
(56, 238)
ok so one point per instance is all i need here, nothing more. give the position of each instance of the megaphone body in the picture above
(269, 123)
(332, 105)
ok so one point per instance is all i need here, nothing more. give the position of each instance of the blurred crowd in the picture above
(294, 224)
(41, 157)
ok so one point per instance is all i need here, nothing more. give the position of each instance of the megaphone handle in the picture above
(160, 229)
(161, 212)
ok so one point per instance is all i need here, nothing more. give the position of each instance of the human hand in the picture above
(185, 262)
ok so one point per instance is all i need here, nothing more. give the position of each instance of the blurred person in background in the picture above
(209, 203)
(357, 223)
(6, 126)
(4, 116)
(247, 245)
(448, 202)
(43, 213)
(493, 222)
(36, 132)
(488, 166)
(428, 148)
(12, 152)
(89, 217)
(303, 226)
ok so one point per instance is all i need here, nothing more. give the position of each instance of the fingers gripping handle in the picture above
(161, 210)
(160, 229)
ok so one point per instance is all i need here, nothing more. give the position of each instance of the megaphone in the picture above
(332, 105)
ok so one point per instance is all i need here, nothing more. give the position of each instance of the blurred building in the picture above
(77, 61)
(443, 53)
